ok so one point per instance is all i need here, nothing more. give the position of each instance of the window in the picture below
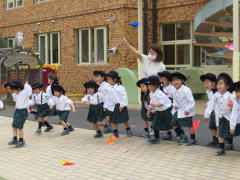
(176, 39)
(10, 42)
(91, 45)
(11, 4)
(40, 1)
(48, 46)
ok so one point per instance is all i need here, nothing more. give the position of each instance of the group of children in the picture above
(166, 102)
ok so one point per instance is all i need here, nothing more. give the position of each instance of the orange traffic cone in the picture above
(112, 139)
(195, 125)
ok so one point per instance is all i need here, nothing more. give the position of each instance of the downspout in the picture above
(145, 28)
(154, 21)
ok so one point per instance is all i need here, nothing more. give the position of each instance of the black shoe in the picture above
(70, 128)
(220, 152)
(212, 144)
(154, 140)
(65, 132)
(167, 137)
(13, 142)
(229, 147)
(191, 142)
(98, 135)
(116, 135)
(49, 128)
(184, 139)
(129, 133)
(20, 144)
(146, 135)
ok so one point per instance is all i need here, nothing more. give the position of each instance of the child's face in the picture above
(209, 85)
(16, 91)
(221, 86)
(143, 88)
(177, 83)
(164, 80)
(237, 93)
(90, 90)
(9, 89)
(152, 87)
(99, 79)
(57, 93)
(50, 81)
(110, 81)
(36, 91)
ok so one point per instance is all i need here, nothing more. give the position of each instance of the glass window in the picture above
(183, 31)
(55, 48)
(85, 46)
(183, 54)
(168, 32)
(10, 4)
(10, 42)
(169, 54)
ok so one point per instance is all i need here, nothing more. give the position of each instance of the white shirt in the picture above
(22, 98)
(37, 98)
(150, 67)
(235, 115)
(1, 104)
(169, 90)
(118, 95)
(158, 97)
(49, 91)
(104, 89)
(219, 103)
(94, 99)
(62, 103)
(184, 101)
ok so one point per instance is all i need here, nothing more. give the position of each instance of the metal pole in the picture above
(235, 63)
(140, 41)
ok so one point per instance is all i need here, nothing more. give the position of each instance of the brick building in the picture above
(76, 34)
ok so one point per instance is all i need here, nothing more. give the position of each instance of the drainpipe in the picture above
(235, 63)
(154, 21)
(145, 27)
(140, 42)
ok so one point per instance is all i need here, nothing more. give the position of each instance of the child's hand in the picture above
(84, 102)
(148, 114)
(232, 131)
(51, 107)
(175, 107)
(1, 109)
(104, 109)
(186, 113)
(230, 105)
(124, 41)
(73, 110)
(121, 108)
(206, 119)
(152, 105)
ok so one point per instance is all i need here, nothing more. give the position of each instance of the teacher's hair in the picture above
(158, 50)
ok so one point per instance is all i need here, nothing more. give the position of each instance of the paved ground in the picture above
(95, 159)
(79, 120)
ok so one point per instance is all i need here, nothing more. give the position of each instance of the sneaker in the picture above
(13, 142)
(220, 152)
(98, 135)
(146, 135)
(116, 135)
(212, 144)
(65, 132)
(154, 140)
(129, 133)
(191, 142)
(49, 128)
(229, 147)
(184, 139)
(179, 140)
(70, 128)
(167, 137)
(20, 144)
(108, 129)
(38, 131)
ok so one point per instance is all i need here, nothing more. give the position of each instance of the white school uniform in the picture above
(62, 103)
(219, 104)
(1, 104)
(158, 97)
(104, 89)
(40, 98)
(22, 98)
(169, 90)
(117, 95)
(235, 115)
(184, 101)
(93, 99)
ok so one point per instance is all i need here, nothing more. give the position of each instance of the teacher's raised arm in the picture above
(151, 63)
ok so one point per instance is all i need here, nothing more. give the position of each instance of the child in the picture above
(183, 109)
(21, 97)
(95, 114)
(235, 115)
(104, 88)
(160, 107)
(52, 80)
(221, 102)
(145, 99)
(63, 106)
(169, 90)
(209, 81)
(118, 103)
(43, 110)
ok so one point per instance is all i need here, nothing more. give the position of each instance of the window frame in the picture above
(8, 39)
(46, 47)
(15, 6)
(39, 1)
